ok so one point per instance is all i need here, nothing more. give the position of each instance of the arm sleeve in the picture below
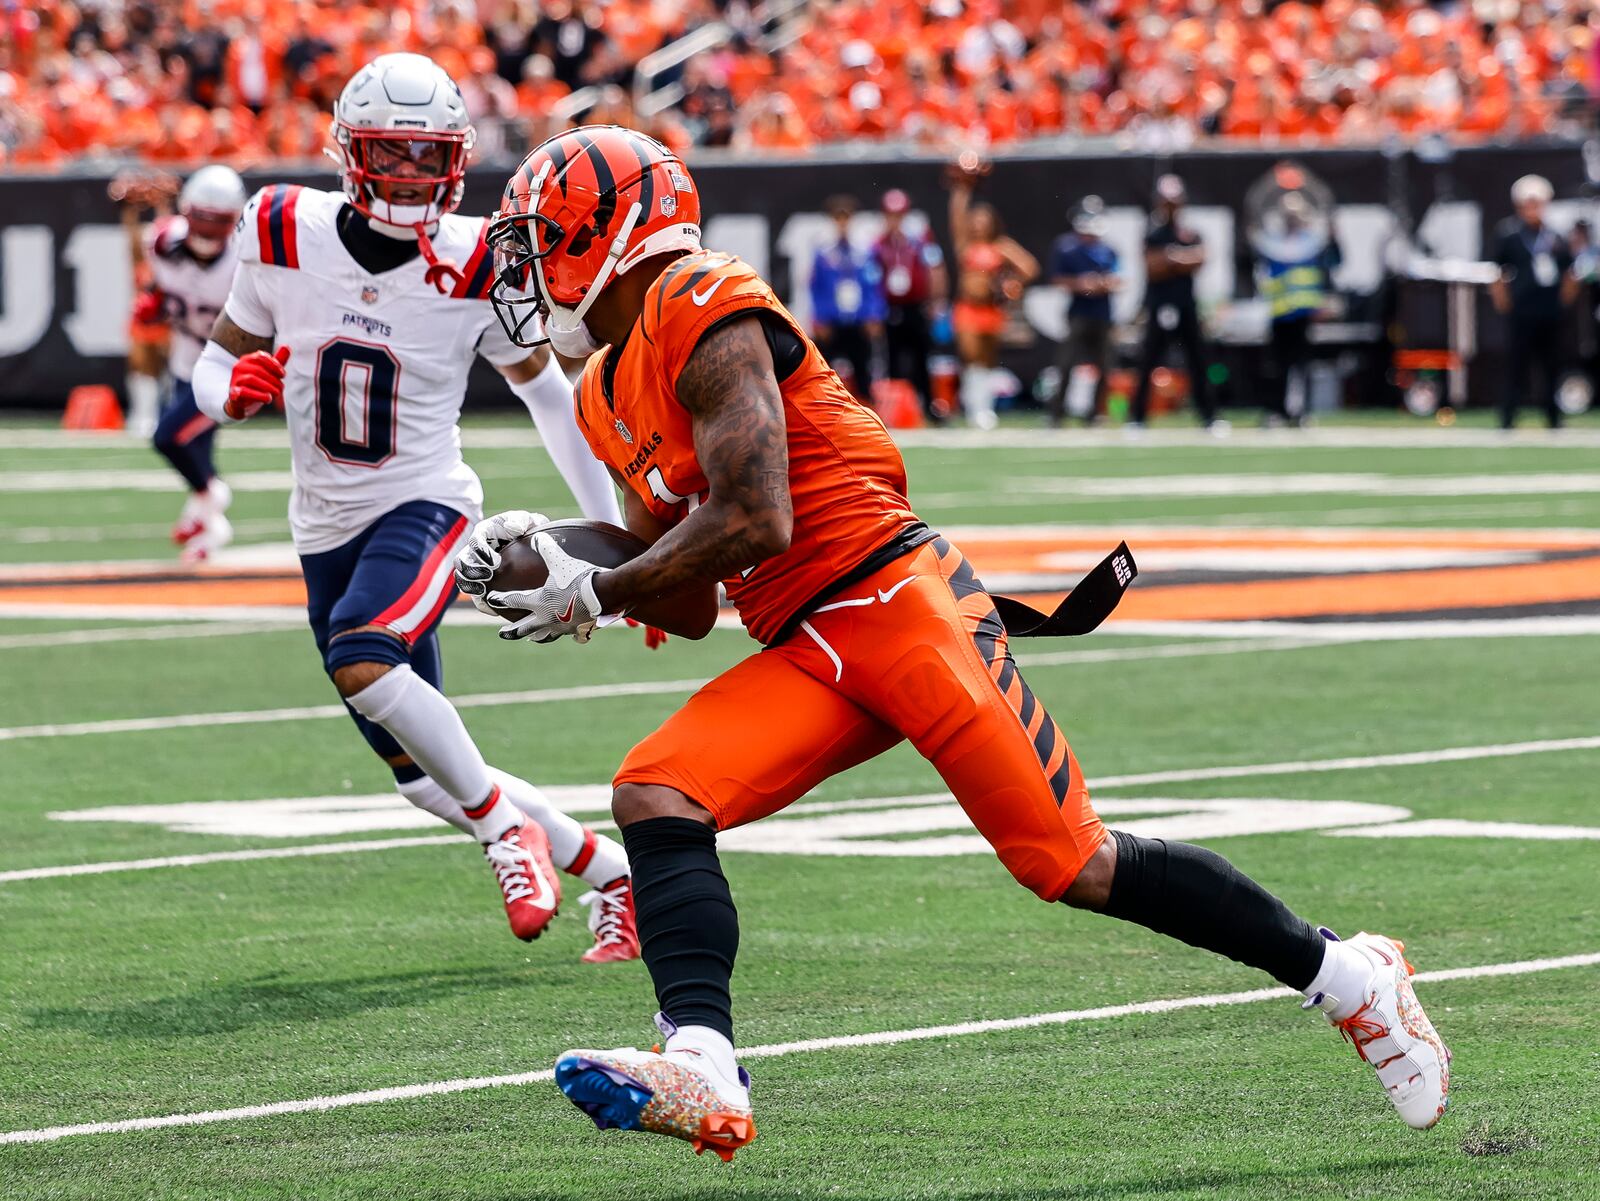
(548, 397)
(496, 348)
(213, 375)
(247, 305)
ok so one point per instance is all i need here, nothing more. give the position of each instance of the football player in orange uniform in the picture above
(745, 460)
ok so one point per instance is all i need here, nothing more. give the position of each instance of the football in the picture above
(688, 614)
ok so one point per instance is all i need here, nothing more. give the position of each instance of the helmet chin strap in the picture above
(619, 247)
(442, 273)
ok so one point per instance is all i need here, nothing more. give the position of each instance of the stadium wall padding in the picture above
(65, 281)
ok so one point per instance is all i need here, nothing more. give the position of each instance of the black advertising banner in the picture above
(65, 280)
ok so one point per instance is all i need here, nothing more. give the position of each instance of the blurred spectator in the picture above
(847, 306)
(935, 72)
(1085, 267)
(1535, 289)
(1173, 253)
(568, 35)
(914, 278)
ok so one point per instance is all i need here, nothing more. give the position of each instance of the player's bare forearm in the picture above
(527, 369)
(740, 439)
(236, 341)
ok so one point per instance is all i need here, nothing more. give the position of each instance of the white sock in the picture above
(427, 795)
(548, 397)
(429, 729)
(1342, 981)
(144, 401)
(599, 860)
(716, 1053)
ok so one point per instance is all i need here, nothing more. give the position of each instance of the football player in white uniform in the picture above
(349, 311)
(187, 259)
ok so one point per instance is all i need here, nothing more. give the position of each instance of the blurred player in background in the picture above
(747, 462)
(991, 272)
(187, 263)
(350, 312)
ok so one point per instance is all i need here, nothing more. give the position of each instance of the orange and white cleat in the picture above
(1390, 1031)
(678, 1093)
(528, 882)
(611, 921)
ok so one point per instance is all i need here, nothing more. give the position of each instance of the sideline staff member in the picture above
(1173, 253)
(1535, 289)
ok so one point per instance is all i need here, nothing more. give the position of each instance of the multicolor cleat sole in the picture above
(653, 1095)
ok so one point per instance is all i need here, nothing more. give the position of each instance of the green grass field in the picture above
(248, 982)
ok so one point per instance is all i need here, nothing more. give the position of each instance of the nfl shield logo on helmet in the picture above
(622, 428)
(369, 295)
(669, 205)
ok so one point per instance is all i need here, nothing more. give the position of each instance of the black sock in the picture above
(1198, 897)
(688, 927)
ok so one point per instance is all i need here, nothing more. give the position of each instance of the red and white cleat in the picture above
(528, 881)
(611, 921)
(1390, 1031)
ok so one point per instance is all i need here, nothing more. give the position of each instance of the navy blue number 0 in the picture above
(368, 375)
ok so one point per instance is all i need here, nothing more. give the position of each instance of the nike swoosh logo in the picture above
(565, 617)
(700, 298)
(886, 597)
(1383, 957)
(545, 897)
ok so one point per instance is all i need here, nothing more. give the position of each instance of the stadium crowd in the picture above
(251, 80)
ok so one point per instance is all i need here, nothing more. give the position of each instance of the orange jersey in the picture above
(847, 481)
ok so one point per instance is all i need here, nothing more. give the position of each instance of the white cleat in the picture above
(1391, 1032)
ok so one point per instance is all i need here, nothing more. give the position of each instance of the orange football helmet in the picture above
(584, 207)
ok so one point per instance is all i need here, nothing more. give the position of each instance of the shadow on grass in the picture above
(1273, 1182)
(238, 1005)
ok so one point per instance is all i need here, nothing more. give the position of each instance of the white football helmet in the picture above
(401, 121)
(210, 204)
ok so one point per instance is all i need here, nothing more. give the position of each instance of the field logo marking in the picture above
(881, 827)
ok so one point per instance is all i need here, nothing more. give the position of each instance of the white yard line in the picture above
(298, 852)
(207, 629)
(131, 725)
(1259, 636)
(1295, 767)
(1181, 775)
(33, 534)
(1309, 632)
(882, 1038)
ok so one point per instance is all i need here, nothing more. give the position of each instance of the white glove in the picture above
(566, 604)
(480, 558)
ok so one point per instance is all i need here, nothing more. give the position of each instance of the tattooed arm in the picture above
(236, 341)
(732, 395)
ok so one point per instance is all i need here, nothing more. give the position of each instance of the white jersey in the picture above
(377, 366)
(193, 291)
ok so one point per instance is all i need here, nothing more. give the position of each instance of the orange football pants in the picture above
(915, 651)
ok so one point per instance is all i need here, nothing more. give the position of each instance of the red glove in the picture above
(257, 382)
(653, 637)
(147, 308)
